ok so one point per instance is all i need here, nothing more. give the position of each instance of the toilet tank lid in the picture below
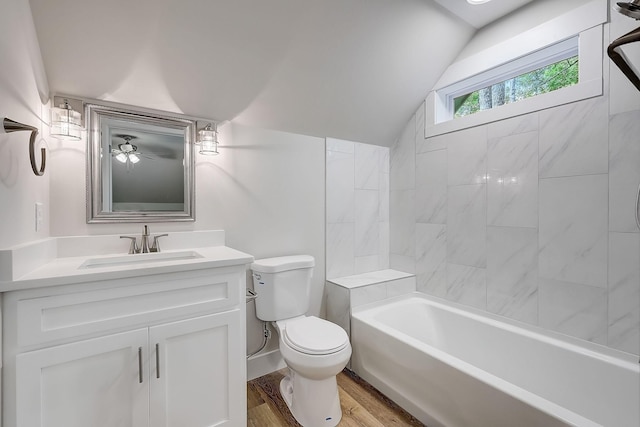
(283, 263)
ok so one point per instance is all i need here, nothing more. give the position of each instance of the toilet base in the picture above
(313, 403)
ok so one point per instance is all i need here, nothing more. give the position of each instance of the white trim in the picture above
(552, 99)
(264, 363)
(591, 52)
(584, 21)
(525, 64)
(560, 28)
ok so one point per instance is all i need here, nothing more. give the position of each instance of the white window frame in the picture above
(525, 64)
(581, 30)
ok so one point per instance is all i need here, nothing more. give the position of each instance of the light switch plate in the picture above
(39, 215)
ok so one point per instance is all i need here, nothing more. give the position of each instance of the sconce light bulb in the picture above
(65, 122)
(209, 148)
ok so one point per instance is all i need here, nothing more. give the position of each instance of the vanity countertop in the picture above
(54, 271)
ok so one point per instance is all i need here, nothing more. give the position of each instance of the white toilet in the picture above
(314, 349)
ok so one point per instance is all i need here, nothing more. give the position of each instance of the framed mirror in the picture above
(140, 166)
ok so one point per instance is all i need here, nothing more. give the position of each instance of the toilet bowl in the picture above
(315, 351)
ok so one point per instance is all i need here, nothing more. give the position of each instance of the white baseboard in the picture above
(264, 363)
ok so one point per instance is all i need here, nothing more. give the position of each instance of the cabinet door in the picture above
(198, 372)
(101, 382)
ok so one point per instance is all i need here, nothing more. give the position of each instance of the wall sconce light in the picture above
(66, 123)
(9, 126)
(207, 139)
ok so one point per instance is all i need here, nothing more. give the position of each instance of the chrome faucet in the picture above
(133, 248)
(155, 246)
(144, 242)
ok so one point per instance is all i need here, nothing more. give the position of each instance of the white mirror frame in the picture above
(96, 212)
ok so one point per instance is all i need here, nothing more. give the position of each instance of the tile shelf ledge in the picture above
(370, 278)
(344, 294)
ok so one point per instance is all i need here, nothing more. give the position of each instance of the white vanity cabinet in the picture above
(198, 373)
(86, 383)
(156, 350)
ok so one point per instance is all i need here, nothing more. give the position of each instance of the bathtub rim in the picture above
(366, 314)
(407, 402)
(620, 358)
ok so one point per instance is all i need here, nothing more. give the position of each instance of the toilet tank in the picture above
(283, 285)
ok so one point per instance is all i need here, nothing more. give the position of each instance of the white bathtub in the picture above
(456, 367)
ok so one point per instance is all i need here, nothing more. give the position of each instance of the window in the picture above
(542, 80)
(556, 62)
(543, 71)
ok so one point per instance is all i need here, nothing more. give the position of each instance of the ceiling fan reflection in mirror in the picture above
(127, 152)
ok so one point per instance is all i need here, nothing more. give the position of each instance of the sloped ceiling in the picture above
(350, 69)
(480, 15)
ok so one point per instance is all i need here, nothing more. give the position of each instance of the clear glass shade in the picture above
(122, 158)
(208, 141)
(65, 123)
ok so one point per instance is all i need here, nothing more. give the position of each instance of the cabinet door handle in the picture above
(140, 365)
(157, 360)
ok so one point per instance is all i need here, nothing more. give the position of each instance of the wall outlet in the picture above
(39, 215)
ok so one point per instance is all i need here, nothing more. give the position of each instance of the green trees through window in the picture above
(546, 79)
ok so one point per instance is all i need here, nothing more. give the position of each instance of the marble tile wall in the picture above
(357, 195)
(343, 294)
(532, 217)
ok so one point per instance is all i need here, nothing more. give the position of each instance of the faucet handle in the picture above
(133, 248)
(155, 246)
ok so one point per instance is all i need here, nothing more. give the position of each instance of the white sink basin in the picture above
(137, 259)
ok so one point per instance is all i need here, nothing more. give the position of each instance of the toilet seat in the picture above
(314, 336)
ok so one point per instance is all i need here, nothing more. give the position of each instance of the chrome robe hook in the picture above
(9, 126)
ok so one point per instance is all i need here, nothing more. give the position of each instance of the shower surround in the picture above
(531, 218)
(357, 197)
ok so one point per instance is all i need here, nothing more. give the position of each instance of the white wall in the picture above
(532, 217)
(20, 189)
(523, 19)
(265, 189)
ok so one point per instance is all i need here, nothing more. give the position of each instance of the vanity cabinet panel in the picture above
(87, 383)
(73, 354)
(198, 372)
(59, 317)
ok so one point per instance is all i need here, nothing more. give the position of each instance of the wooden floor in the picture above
(362, 405)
